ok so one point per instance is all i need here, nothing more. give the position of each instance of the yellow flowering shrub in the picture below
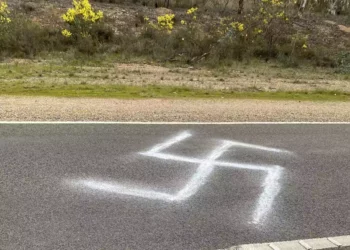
(66, 33)
(263, 28)
(166, 22)
(80, 18)
(191, 18)
(300, 40)
(232, 29)
(83, 10)
(273, 31)
(270, 11)
(191, 11)
(4, 13)
(237, 26)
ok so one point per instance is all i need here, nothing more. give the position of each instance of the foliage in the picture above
(24, 38)
(263, 32)
(66, 33)
(185, 40)
(4, 13)
(81, 19)
(82, 10)
(165, 22)
(344, 62)
(192, 11)
(196, 35)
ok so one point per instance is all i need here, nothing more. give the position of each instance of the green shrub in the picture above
(86, 29)
(343, 63)
(22, 38)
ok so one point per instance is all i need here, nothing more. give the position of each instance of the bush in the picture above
(81, 19)
(263, 32)
(343, 63)
(188, 42)
(86, 30)
(191, 39)
(102, 33)
(22, 38)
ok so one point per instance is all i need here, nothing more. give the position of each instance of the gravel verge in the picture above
(170, 110)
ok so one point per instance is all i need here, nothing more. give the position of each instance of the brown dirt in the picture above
(165, 110)
(344, 28)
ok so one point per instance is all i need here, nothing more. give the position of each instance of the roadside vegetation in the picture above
(224, 37)
(162, 91)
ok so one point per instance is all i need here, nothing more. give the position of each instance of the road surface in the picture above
(139, 186)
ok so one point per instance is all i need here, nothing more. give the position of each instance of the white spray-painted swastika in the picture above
(206, 166)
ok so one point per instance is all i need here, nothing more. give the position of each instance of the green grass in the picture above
(157, 91)
(64, 78)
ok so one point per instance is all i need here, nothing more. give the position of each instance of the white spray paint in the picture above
(162, 146)
(111, 187)
(202, 173)
(206, 166)
(271, 188)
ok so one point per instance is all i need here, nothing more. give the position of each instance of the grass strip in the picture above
(158, 91)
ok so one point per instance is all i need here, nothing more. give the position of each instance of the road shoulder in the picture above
(17, 108)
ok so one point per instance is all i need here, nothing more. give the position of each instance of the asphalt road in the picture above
(193, 187)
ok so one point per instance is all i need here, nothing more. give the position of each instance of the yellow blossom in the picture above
(66, 33)
(82, 9)
(238, 26)
(276, 2)
(4, 12)
(191, 11)
(166, 22)
(280, 15)
(258, 31)
(4, 8)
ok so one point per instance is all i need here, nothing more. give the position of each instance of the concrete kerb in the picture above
(330, 243)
